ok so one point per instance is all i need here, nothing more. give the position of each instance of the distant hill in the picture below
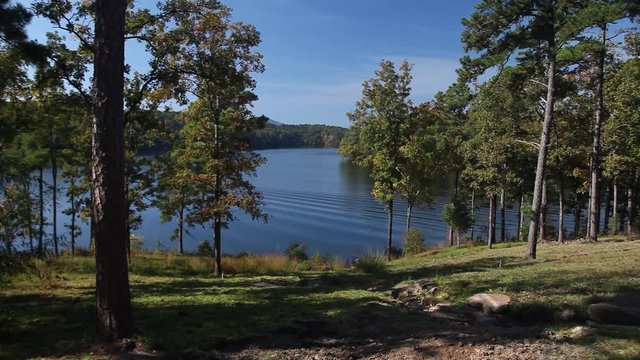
(296, 136)
(274, 135)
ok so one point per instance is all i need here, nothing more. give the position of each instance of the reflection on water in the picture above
(315, 197)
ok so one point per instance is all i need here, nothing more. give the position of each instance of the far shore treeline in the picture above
(271, 135)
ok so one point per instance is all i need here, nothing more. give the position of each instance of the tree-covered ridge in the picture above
(266, 136)
(296, 136)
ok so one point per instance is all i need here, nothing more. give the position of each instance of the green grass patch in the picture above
(48, 309)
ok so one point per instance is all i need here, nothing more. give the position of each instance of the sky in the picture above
(318, 53)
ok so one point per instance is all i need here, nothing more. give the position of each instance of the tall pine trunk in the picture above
(543, 212)
(594, 205)
(520, 219)
(113, 296)
(532, 238)
(607, 209)
(28, 214)
(491, 236)
(181, 228)
(389, 229)
(503, 230)
(73, 224)
(473, 212)
(217, 240)
(54, 188)
(561, 216)
(630, 206)
(577, 217)
(615, 220)
(41, 208)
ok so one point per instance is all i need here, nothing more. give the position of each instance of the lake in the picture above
(315, 197)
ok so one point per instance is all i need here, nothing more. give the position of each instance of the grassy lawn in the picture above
(180, 310)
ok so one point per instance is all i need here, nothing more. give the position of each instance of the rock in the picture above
(608, 313)
(567, 314)
(490, 303)
(263, 283)
(581, 331)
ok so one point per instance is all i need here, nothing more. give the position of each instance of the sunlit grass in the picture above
(178, 305)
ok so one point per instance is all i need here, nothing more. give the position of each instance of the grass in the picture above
(180, 309)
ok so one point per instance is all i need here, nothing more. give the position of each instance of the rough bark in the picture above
(181, 229)
(532, 238)
(543, 212)
(217, 240)
(520, 220)
(73, 224)
(28, 215)
(630, 205)
(561, 216)
(389, 229)
(473, 212)
(615, 220)
(503, 230)
(594, 206)
(577, 216)
(113, 297)
(607, 209)
(491, 236)
(41, 209)
(54, 189)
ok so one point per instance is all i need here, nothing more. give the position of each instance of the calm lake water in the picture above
(315, 197)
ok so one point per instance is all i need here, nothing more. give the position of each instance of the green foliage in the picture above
(204, 249)
(413, 242)
(297, 251)
(457, 215)
(296, 136)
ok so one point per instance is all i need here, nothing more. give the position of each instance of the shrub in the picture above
(413, 242)
(370, 264)
(297, 252)
(205, 249)
(396, 252)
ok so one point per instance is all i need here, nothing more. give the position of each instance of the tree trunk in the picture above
(630, 205)
(409, 213)
(577, 214)
(594, 207)
(389, 229)
(561, 216)
(519, 228)
(503, 230)
(542, 156)
(217, 239)
(491, 236)
(473, 212)
(615, 220)
(113, 297)
(73, 224)
(41, 205)
(607, 209)
(28, 214)
(543, 212)
(127, 216)
(181, 229)
(54, 188)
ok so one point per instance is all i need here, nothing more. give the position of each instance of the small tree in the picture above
(380, 117)
(457, 216)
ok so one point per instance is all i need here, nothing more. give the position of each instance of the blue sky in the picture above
(317, 53)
